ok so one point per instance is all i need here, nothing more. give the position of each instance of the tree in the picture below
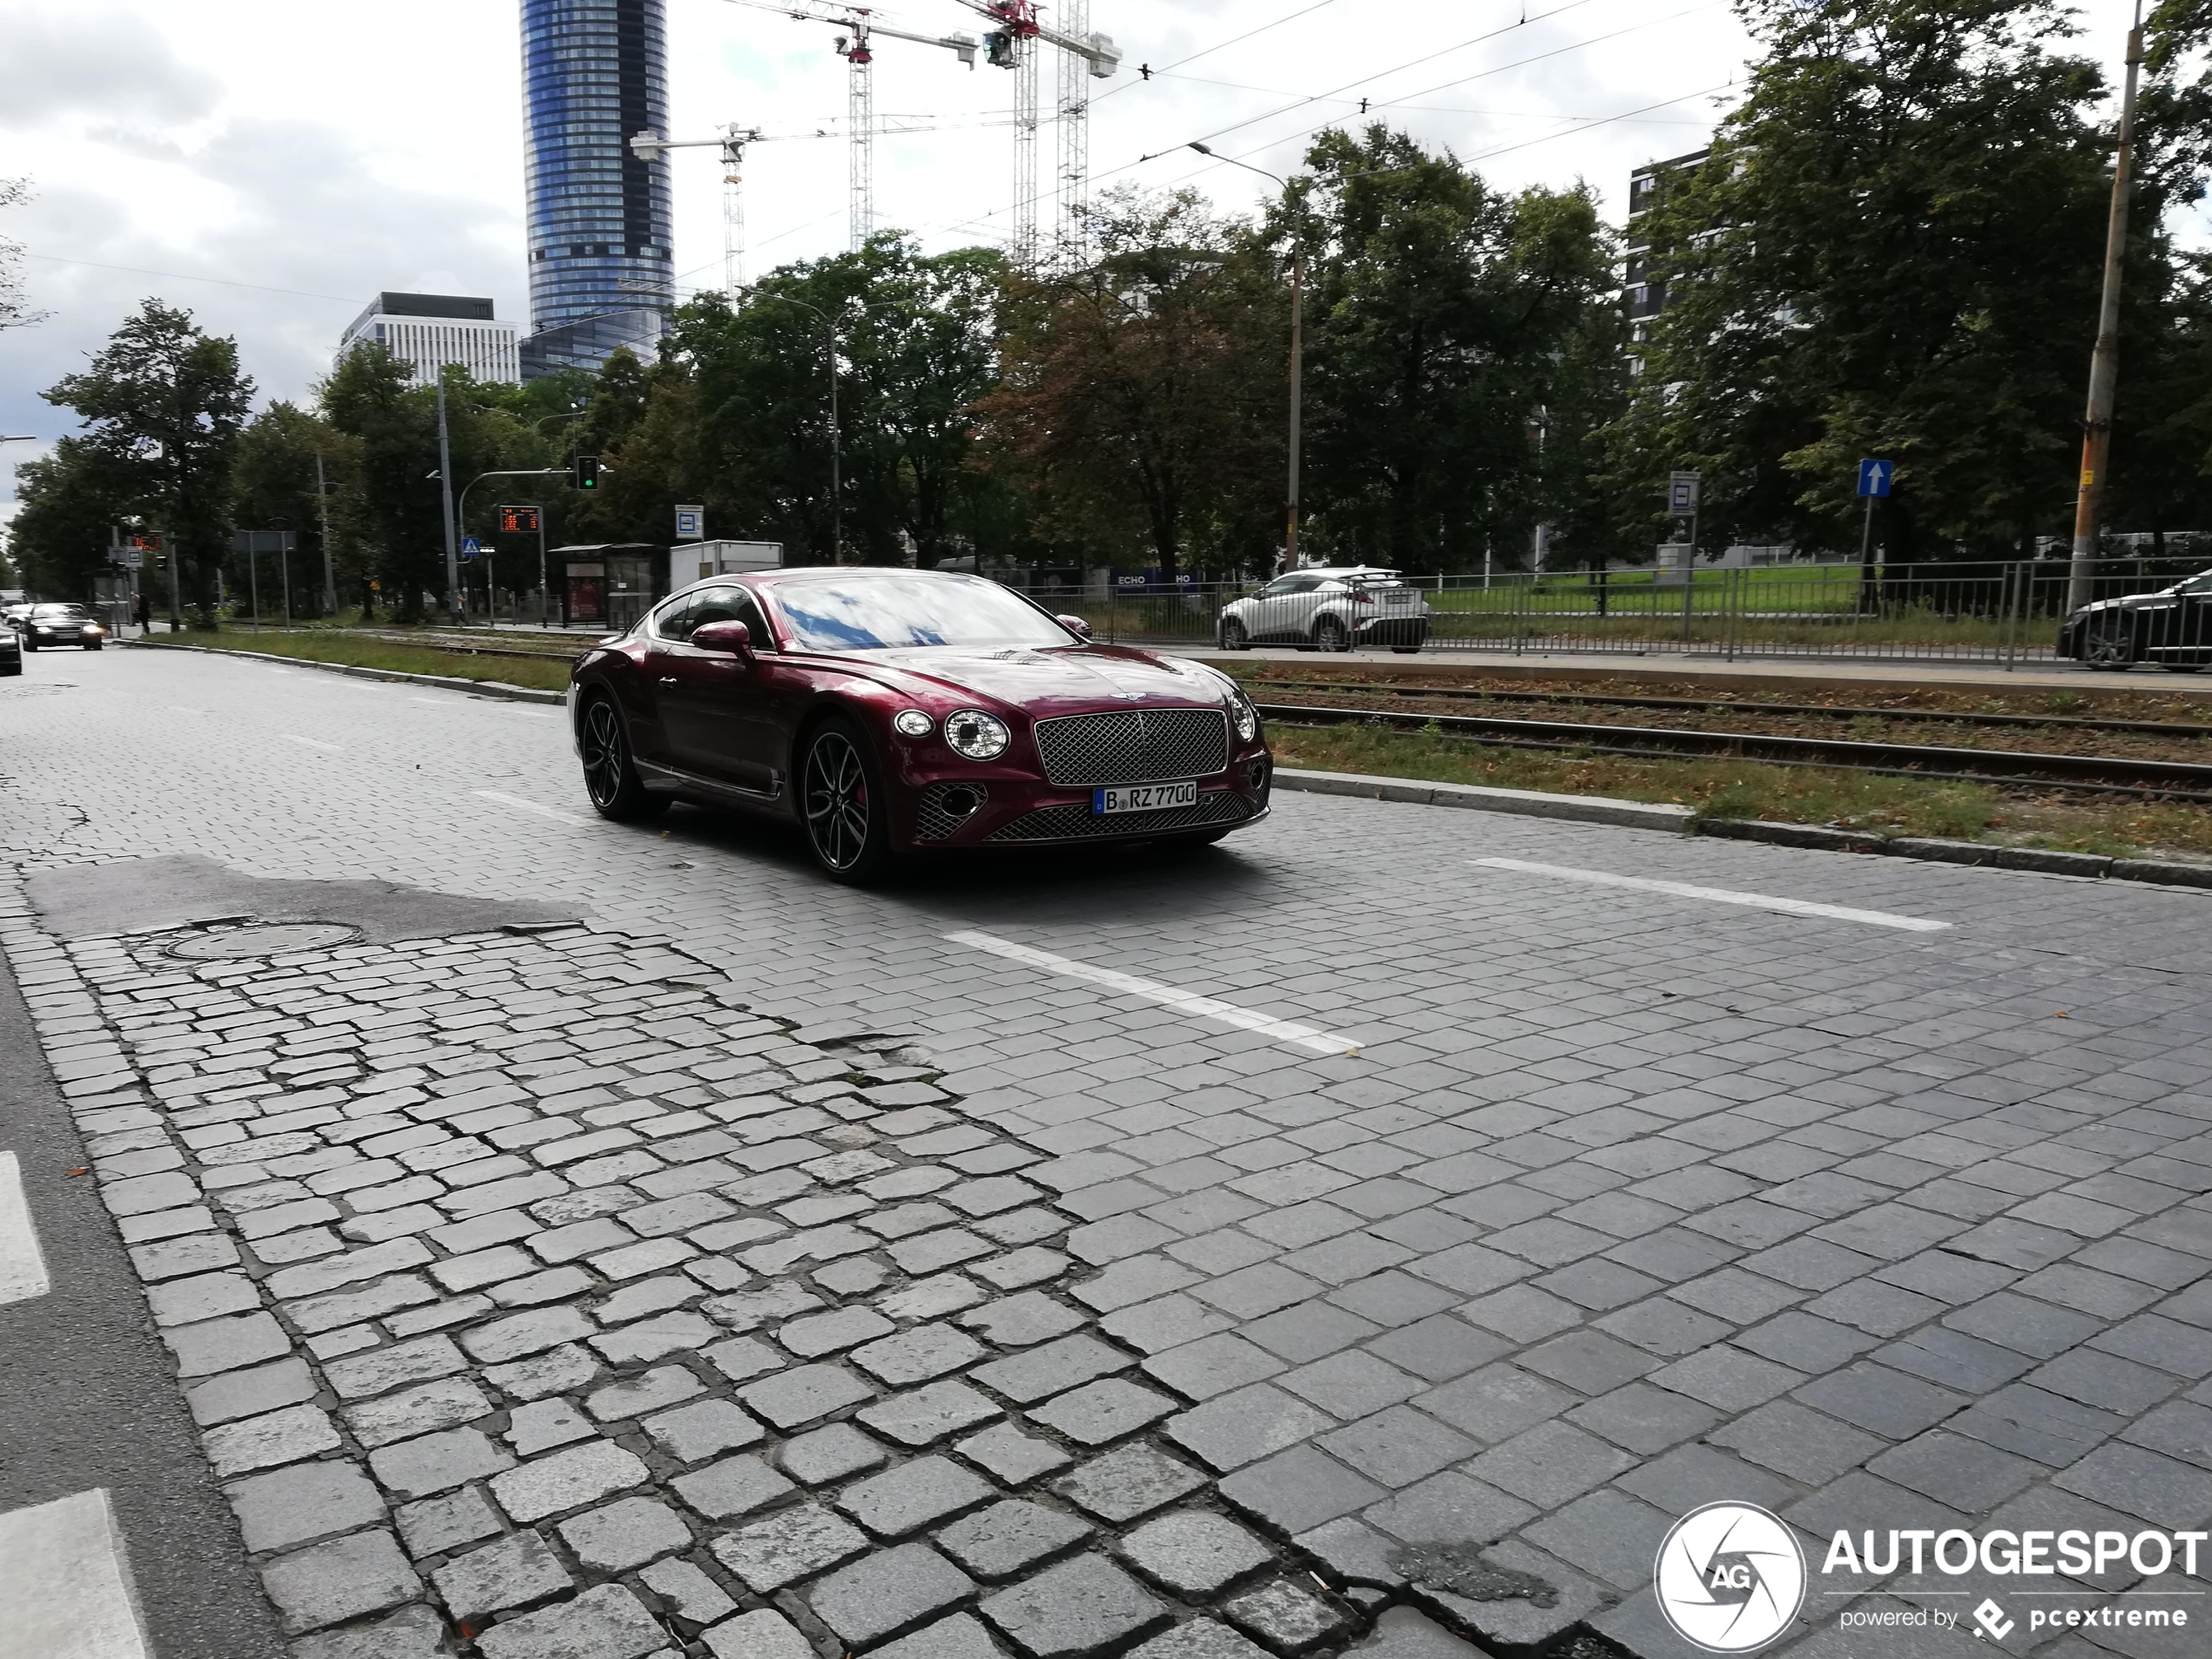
(69, 505)
(1449, 326)
(15, 310)
(1141, 396)
(164, 404)
(1894, 250)
(276, 484)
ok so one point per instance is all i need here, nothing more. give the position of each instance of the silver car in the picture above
(1329, 609)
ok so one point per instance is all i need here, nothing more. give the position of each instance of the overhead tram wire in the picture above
(1145, 72)
(1704, 5)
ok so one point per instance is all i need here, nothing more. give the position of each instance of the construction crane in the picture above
(861, 26)
(1012, 44)
(648, 147)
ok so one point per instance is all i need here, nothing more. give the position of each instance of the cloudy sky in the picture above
(270, 165)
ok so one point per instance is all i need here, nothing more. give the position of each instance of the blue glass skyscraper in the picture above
(595, 73)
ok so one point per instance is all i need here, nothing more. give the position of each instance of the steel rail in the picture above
(2176, 778)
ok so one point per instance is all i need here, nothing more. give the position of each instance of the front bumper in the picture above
(1000, 808)
(1400, 631)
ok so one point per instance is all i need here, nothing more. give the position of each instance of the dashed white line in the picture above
(314, 743)
(22, 1264)
(1311, 1038)
(66, 1583)
(1720, 895)
(520, 805)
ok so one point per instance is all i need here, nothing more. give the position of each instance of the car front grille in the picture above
(1133, 746)
(1078, 823)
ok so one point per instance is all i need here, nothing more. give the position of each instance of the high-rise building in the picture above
(1644, 288)
(595, 74)
(431, 331)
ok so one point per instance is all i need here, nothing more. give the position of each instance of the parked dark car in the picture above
(892, 713)
(61, 625)
(2172, 627)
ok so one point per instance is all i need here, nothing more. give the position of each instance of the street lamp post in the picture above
(445, 489)
(837, 490)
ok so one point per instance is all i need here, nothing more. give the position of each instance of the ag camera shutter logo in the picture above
(1730, 1577)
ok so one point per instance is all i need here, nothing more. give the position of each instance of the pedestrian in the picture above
(142, 613)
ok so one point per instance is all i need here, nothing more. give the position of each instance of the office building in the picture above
(1644, 290)
(595, 74)
(430, 331)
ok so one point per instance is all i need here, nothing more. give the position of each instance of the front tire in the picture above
(609, 778)
(96, 644)
(1233, 636)
(1330, 634)
(1406, 650)
(2109, 644)
(843, 805)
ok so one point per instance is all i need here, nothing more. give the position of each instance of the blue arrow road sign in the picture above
(1874, 477)
(470, 547)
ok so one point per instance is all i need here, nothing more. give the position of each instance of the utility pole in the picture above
(329, 572)
(2104, 362)
(445, 489)
(1298, 396)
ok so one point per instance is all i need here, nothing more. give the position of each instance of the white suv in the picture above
(1329, 609)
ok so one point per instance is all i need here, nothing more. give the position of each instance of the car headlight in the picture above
(912, 723)
(977, 735)
(1247, 717)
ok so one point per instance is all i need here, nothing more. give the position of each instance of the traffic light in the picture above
(585, 472)
(998, 49)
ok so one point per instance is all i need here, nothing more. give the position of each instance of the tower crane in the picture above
(648, 147)
(861, 26)
(1012, 44)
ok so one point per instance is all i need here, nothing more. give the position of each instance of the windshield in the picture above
(890, 613)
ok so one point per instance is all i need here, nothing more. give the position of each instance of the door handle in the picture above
(668, 679)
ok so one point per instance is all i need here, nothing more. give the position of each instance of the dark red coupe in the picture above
(895, 713)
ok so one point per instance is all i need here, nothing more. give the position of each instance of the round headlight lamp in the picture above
(977, 735)
(1247, 717)
(912, 723)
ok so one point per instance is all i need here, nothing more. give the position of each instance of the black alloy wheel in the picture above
(2108, 642)
(844, 804)
(1233, 636)
(609, 776)
(1330, 634)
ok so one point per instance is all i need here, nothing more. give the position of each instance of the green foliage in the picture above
(69, 503)
(1448, 328)
(163, 404)
(276, 480)
(1141, 397)
(1893, 250)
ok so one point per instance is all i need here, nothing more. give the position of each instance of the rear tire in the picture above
(1233, 636)
(609, 778)
(843, 805)
(1330, 634)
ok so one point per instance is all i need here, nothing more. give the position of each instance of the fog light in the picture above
(960, 803)
(912, 723)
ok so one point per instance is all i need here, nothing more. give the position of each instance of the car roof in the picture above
(1343, 570)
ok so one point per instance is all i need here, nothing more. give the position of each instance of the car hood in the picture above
(1053, 681)
(2129, 602)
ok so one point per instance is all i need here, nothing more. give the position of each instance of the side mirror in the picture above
(1075, 626)
(731, 636)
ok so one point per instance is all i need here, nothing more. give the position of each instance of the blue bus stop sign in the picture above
(1874, 477)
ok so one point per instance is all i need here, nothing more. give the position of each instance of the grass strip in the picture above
(551, 675)
(2115, 827)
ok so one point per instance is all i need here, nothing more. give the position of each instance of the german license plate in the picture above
(1143, 797)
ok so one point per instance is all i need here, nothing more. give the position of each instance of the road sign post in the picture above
(1874, 476)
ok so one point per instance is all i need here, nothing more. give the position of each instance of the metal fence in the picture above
(2007, 613)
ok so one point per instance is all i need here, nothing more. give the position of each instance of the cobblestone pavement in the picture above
(748, 1269)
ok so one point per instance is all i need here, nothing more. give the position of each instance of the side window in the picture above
(730, 605)
(674, 620)
(1277, 588)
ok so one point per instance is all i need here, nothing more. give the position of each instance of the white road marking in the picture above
(1311, 1038)
(65, 1585)
(23, 1265)
(314, 743)
(1720, 895)
(516, 801)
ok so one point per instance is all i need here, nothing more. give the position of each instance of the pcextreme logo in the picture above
(1730, 1577)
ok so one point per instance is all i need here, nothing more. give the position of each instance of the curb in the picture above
(1528, 803)
(1634, 814)
(445, 682)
